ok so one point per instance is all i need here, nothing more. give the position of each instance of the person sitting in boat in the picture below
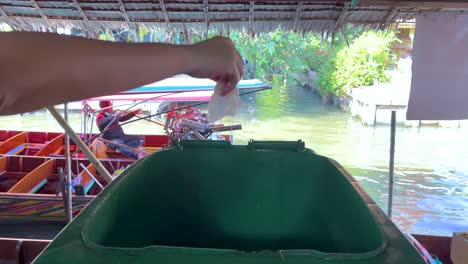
(108, 122)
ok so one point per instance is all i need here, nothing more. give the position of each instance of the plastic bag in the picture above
(221, 106)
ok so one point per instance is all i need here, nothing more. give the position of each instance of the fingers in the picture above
(224, 85)
(236, 75)
(236, 78)
(230, 82)
(240, 64)
(219, 60)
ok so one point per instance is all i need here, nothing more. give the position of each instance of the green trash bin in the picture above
(213, 202)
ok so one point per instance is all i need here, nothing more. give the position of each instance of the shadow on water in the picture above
(431, 185)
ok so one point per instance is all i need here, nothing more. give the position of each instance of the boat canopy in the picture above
(178, 89)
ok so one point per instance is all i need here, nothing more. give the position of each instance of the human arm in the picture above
(41, 69)
(127, 116)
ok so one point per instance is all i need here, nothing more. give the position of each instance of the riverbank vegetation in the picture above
(353, 59)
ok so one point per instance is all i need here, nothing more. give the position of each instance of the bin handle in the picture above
(298, 146)
(213, 144)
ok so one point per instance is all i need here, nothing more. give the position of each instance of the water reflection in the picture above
(431, 174)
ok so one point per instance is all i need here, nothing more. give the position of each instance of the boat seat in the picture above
(99, 149)
(34, 146)
(15, 150)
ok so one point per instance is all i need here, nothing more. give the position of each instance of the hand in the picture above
(218, 60)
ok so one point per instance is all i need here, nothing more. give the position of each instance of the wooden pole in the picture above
(69, 172)
(344, 36)
(333, 38)
(85, 120)
(64, 193)
(88, 153)
(392, 163)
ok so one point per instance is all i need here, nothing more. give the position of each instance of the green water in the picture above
(431, 164)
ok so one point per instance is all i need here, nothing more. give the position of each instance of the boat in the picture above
(52, 144)
(30, 143)
(284, 204)
(30, 186)
(29, 177)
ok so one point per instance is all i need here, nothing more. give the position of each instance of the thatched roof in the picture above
(259, 16)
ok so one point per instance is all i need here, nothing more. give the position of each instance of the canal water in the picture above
(431, 163)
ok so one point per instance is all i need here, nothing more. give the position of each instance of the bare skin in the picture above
(39, 69)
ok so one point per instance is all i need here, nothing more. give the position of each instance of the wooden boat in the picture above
(277, 207)
(29, 176)
(29, 186)
(50, 144)
(30, 143)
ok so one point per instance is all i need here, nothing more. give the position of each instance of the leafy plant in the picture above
(364, 62)
(278, 53)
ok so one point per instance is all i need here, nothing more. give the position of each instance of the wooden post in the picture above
(85, 121)
(391, 164)
(69, 212)
(333, 38)
(88, 153)
(64, 193)
(344, 36)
